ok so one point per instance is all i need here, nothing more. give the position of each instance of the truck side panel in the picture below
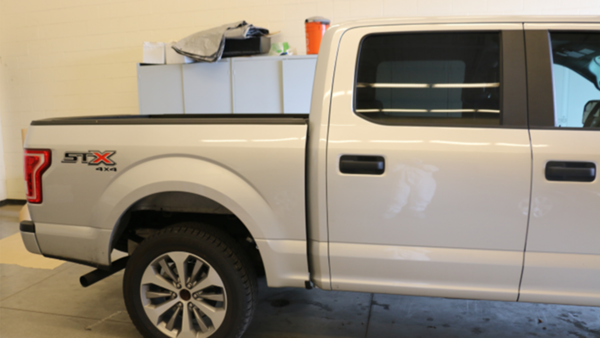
(255, 171)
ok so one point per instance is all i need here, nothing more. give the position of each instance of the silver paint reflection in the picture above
(415, 188)
(540, 206)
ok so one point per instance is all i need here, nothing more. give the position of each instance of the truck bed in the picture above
(252, 165)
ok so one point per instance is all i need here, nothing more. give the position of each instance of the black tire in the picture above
(214, 247)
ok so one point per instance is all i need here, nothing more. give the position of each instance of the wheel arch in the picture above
(175, 207)
(168, 202)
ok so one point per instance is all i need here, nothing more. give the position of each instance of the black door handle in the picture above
(357, 164)
(570, 171)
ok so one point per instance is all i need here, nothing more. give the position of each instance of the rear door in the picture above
(429, 161)
(562, 263)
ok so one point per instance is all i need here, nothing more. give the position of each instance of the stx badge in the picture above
(92, 157)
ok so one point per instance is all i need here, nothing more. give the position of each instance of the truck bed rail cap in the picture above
(177, 119)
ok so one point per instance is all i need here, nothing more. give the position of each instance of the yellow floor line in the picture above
(13, 251)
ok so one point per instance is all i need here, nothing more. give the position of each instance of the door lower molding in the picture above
(561, 278)
(426, 271)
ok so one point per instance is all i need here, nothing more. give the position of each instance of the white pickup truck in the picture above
(450, 158)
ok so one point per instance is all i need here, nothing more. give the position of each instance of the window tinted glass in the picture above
(576, 78)
(429, 79)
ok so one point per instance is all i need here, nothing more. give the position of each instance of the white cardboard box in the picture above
(154, 53)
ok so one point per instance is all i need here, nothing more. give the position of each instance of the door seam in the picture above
(530, 170)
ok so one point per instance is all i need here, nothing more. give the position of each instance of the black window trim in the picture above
(539, 79)
(512, 53)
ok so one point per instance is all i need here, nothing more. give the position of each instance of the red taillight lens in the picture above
(36, 163)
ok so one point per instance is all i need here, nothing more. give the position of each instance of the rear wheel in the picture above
(189, 280)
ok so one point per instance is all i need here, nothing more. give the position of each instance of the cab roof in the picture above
(469, 19)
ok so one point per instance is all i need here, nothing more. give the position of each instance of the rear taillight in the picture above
(36, 163)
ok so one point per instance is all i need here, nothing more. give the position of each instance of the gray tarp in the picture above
(208, 45)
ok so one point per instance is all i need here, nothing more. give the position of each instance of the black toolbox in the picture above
(249, 46)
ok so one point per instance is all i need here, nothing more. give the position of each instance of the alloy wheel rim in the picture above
(183, 296)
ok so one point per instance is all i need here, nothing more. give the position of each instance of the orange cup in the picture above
(315, 28)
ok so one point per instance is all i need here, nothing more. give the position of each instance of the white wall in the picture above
(77, 57)
(4, 84)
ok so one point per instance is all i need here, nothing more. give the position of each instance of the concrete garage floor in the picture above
(51, 303)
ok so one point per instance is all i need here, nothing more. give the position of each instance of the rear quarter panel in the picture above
(256, 171)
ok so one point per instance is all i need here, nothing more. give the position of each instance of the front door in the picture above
(562, 263)
(429, 161)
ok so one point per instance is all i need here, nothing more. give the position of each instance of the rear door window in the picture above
(446, 79)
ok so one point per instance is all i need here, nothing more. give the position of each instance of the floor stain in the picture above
(577, 334)
(384, 306)
(580, 325)
(321, 306)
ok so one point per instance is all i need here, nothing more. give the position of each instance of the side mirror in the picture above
(591, 116)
